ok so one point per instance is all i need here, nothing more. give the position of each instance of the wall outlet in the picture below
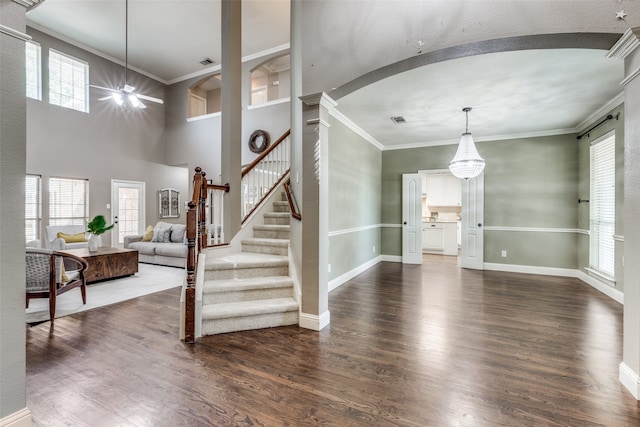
(329, 268)
(374, 249)
(504, 254)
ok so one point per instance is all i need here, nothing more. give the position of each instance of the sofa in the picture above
(75, 234)
(162, 244)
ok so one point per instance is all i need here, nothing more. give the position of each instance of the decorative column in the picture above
(13, 410)
(627, 49)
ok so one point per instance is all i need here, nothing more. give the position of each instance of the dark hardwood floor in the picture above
(407, 346)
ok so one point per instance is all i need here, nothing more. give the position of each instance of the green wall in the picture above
(616, 125)
(354, 199)
(529, 182)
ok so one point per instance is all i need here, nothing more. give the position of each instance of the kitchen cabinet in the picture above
(443, 190)
(440, 237)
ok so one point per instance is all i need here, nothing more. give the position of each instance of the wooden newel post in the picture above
(190, 291)
(202, 212)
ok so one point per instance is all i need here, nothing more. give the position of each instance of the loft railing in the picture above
(199, 214)
(264, 174)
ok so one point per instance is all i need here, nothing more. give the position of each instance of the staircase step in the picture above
(246, 264)
(245, 315)
(249, 289)
(281, 206)
(270, 231)
(277, 218)
(266, 246)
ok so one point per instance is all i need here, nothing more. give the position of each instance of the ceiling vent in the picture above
(207, 61)
(398, 119)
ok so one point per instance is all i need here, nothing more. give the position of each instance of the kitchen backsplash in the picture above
(447, 213)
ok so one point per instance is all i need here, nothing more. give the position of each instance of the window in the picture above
(603, 206)
(32, 207)
(32, 69)
(68, 201)
(68, 81)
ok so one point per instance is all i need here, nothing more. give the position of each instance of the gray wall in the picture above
(108, 143)
(355, 168)
(529, 182)
(583, 189)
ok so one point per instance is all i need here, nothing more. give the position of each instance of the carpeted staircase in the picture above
(252, 289)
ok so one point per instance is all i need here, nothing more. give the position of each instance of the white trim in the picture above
(609, 291)
(318, 121)
(618, 238)
(277, 49)
(626, 44)
(390, 258)
(353, 230)
(14, 33)
(615, 102)
(630, 77)
(293, 274)
(313, 321)
(269, 103)
(355, 128)
(204, 116)
(391, 225)
(601, 276)
(22, 418)
(629, 379)
(343, 278)
(27, 3)
(536, 229)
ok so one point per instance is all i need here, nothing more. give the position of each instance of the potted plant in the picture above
(95, 228)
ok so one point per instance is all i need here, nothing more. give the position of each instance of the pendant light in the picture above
(467, 163)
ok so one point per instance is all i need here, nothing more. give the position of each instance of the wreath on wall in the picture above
(259, 141)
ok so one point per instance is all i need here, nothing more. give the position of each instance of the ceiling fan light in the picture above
(117, 97)
(133, 100)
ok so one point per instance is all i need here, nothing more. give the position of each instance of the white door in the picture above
(127, 210)
(472, 223)
(411, 218)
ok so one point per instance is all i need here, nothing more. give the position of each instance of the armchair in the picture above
(50, 273)
(52, 241)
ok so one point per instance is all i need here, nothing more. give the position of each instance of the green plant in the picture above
(98, 225)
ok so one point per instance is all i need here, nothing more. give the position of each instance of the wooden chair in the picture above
(51, 273)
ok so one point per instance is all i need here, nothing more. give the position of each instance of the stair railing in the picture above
(293, 206)
(198, 237)
(264, 174)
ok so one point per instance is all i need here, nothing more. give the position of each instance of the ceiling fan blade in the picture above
(104, 98)
(141, 105)
(104, 88)
(150, 98)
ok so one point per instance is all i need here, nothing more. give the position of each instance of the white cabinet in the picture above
(432, 236)
(443, 190)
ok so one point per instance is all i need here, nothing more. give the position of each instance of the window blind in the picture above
(32, 207)
(68, 81)
(68, 201)
(603, 206)
(32, 70)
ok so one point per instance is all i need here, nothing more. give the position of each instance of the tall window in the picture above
(68, 81)
(68, 201)
(603, 206)
(32, 207)
(32, 69)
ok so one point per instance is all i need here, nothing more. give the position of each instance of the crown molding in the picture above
(626, 44)
(14, 33)
(29, 4)
(337, 114)
(615, 102)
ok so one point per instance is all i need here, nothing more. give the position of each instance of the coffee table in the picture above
(107, 263)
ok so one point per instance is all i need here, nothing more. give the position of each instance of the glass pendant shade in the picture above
(467, 163)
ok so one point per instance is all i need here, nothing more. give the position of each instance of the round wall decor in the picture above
(259, 141)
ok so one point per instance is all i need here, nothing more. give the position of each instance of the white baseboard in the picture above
(529, 269)
(391, 258)
(314, 322)
(609, 291)
(22, 418)
(343, 278)
(629, 379)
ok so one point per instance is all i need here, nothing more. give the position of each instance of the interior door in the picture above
(472, 223)
(411, 218)
(127, 209)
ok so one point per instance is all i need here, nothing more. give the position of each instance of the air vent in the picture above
(398, 119)
(207, 61)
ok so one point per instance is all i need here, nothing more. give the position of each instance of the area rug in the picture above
(149, 279)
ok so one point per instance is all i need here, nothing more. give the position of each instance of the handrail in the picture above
(265, 153)
(292, 205)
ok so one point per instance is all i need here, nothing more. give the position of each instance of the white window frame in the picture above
(68, 201)
(73, 92)
(33, 70)
(602, 207)
(33, 206)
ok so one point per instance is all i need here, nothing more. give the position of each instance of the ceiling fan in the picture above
(125, 95)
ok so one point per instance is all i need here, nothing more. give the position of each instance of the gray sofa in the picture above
(167, 246)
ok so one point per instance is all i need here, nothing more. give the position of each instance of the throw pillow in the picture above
(148, 234)
(178, 232)
(72, 238)
(161, 232)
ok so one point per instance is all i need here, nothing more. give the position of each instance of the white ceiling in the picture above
(512, 93)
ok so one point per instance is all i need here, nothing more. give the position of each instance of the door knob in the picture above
(405, 223)
(479, 225)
